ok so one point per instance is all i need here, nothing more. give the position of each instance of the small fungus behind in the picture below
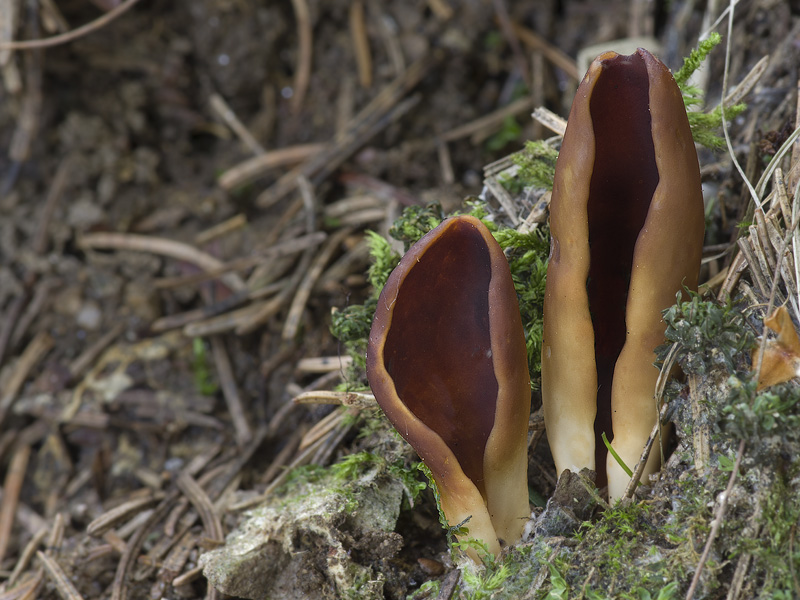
(448, 365)
(627, 226)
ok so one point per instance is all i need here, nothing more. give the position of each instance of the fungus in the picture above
(448, 365)
(627, 226)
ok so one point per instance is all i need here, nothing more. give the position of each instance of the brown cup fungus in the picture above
(448, 365)
(627, 225)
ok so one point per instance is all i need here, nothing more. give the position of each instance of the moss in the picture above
(353, 466)
(350, 467)
(754, 416)
(361, 583)
(348, 475)
(429, 589)
(351, 327)
(623, 536)
(482, 583)
(696, 58)
(374, 424)
(705, 126)
(632, 551)
(414, 222)
(299, 477)
(510, 576)
(201, 369)
(537, 167)
(777, 558)
(708, 334)
(527, 258)
(648, 549)
(384, 260)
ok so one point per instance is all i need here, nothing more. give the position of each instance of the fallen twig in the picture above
(122, 512)
(492, 120)
(358, 30)
(202, 503)
(59, 578)
(305, 44)
(306, 285)
(229, 117)
(12, 486)
(556, 56)
(252, 168)
(38, 347)
(70, 36)
(352, 399)
(230, 392)
(164, 247)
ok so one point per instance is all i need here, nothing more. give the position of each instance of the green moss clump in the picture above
(201, 368)
(414, 222)
(537, 166)
(384, 260)
(484, 583)
(777, 558)
(527, 258)
(351, 326)
(624, 536)
(343, 477)
(705, 126)
(696, 58)
(752, 415)
(429, 589)
(708, 335)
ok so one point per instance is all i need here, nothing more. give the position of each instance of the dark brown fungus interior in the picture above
(624, 179)
(438, 349)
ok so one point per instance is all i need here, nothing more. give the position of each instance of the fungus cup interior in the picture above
(441, 360)
(624, 178)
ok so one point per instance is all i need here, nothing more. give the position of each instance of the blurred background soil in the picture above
(184, 192)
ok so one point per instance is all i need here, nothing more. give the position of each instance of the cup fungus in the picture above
(627, 224)
(448, 365)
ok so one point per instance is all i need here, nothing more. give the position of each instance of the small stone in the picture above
(89, 316)
(84, 213)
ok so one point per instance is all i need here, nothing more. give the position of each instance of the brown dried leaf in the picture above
(781, 361)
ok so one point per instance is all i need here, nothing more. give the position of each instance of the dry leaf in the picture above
(781, 361)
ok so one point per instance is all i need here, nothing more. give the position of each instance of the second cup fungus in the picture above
(448, 365)
(627, 226)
